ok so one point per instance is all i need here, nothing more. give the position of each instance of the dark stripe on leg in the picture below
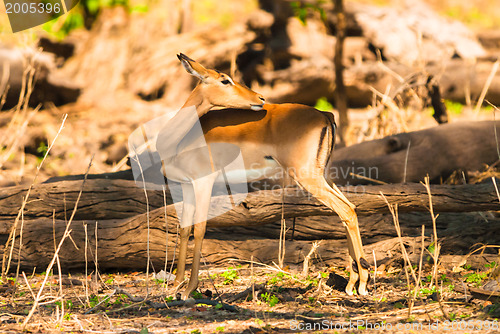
(321, 139)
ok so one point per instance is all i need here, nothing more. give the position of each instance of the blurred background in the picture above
(111, 65)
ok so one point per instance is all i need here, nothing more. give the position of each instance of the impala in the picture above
(297, 138)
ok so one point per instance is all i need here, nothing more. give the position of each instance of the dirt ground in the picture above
(286, 301)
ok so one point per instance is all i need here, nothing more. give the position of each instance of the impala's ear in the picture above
(192, 67)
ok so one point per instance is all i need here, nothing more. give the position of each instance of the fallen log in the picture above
(116, 199)
(409, 157)
(123, 242)
(438, 152)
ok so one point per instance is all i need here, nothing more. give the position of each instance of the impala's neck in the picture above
(196, 100)
(181, 124)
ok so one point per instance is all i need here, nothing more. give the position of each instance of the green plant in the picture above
(426, 291)
(322, 104)
(85, 13)
(120, 299)
(67, 305)
(454, 107)
(492, 309)
(72, 20)
(475, 278)
(399, 305)
(302, 9)
(311, 281)
(431, 249)
(270, 299)
(278, 277)
(93, 300)
(491, 265)
(196, 295)
(230, 275)
(220, 329)
(443, 278)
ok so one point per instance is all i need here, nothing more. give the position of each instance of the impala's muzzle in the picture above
(257, 107)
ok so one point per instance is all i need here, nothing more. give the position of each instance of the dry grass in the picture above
(281, 296)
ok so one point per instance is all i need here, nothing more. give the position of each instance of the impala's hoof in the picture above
(185, 295)
(364, 263)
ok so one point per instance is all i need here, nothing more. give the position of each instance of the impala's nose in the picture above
(258, 107)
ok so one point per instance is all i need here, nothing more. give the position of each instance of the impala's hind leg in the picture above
(203, 193)
(332, 197)
(188, 209)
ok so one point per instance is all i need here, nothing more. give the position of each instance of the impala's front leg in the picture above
(181, 263)
(188, 208)
(203, 193)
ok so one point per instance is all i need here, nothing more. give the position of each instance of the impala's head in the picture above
(219, 90)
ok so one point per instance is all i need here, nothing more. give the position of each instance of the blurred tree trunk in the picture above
(185, 20)
(340, 91)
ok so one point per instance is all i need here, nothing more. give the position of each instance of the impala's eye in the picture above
(225, 82)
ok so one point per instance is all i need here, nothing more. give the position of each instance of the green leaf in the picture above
(323, 105)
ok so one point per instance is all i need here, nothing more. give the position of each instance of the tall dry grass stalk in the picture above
(487, 84)
(437, 246)
(86, 281)
(495, 109)
(393, 115)
(147, 218)
(407, 263)
(496, 187)
(9, 245)
(66, 234)
(167, 279)
(281, 249)
(307, 258)
(11, 138)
